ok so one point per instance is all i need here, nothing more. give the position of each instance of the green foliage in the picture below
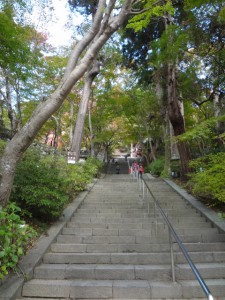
(221, 216)
(44, 184)
(150, 10)
(156, 167)
(92, 167)
(208, 181)
(15, 237)
(83, 6)
(39, 186)
(79, 175)
(177, 40)
(2, 146)
(204, 131)
(204, 138)
(190, 4)
(221, 17)
(15, 39)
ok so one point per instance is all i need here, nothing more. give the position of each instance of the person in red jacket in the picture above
(135, 168)
(140, 171)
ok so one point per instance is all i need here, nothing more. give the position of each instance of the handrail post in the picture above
(132, 174)
(143, 190)
(155, 218)
(171, 255)
(148, 202)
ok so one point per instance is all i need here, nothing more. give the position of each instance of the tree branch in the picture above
(106, 18)
(135, 11)
(3, 95)
(80, 46)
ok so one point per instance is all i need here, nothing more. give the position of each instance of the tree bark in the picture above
(91, 129)
(79, 128)
(71, 123)
(11, 112)
(104, 25)
(177, 120)
(161, 92)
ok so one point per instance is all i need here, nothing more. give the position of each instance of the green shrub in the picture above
(93, 166)
(44, 184)
(208, 179)
(156, 167)
(77, 176)
(15, 237)
(40, 185)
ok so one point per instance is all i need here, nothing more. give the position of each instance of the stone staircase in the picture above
(111, 169)
(112, 249)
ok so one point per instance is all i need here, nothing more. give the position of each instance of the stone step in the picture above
(102, 200)
(174, 219)
(191, 288)
(141, 214)
(125, 289)
(141, 239)
(136, 232)
(136, 205)
(153, 272)
(116, 199)
(137, 202)
(149, 226)
(104, 272)
(207, 271)
(103, 207)
(33, 298)
(162, 257)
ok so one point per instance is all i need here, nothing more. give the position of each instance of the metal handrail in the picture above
(185, 253)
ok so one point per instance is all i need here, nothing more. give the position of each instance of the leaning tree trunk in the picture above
(104, 25)
(177, 120)
(79, 128)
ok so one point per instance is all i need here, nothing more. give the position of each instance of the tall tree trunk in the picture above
(177, 120)
(161, 93)
(104, 25)
(166, 136)
(218, 111)
(90, 126)
(79, 129)
(18, 104)
(106, 151)
(71, 123)
(216, 105)
(174, 107)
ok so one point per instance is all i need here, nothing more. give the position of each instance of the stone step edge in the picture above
(120, 288)
(28, 298)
